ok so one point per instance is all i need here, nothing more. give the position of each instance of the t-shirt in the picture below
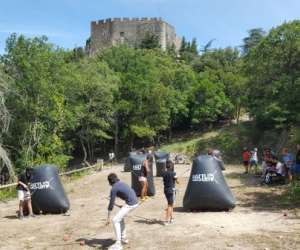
(169, 178)
(287, 159)
(22, 178)
(253, 156)
(246, 156)
(124, 192)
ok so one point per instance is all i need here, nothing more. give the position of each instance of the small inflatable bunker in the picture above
(136, 162)
(161, 162)
(48, 195)
(207, 188)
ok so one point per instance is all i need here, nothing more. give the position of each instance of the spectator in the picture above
(246, 159)
(254, 160)
(297, 161)
(288, 161)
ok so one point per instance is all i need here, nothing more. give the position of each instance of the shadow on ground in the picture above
(102, 243)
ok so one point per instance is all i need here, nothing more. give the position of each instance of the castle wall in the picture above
(109, 32)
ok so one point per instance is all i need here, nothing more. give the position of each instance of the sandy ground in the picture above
(259, 221)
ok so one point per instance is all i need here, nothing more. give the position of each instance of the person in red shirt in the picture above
(246, 159)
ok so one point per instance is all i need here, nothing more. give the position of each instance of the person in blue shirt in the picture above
(123, 191)
(288, 161)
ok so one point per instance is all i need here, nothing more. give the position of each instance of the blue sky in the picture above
(67, 22)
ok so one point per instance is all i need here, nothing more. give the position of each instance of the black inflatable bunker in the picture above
(161, 162)
(136, 162)
(207, 188)
(127, 164)
(48, 195)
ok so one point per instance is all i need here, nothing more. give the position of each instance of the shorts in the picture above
(246, 163)
(170, 196)
(142, 179)
(23, 195)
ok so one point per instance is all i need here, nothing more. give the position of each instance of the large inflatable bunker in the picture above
(136, 168)
(127, 164)
(207, 189)
(161, 162)
(48, 195)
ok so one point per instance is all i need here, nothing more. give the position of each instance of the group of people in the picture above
(124, 192)
(284, 166)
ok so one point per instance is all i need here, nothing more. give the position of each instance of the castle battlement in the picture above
(127, 19)
(131, 31)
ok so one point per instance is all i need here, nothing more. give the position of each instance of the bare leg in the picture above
(21, 209)
(29, 207)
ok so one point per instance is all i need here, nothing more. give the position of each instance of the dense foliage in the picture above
(64, 104)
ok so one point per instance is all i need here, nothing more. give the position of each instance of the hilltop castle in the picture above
(110, 32)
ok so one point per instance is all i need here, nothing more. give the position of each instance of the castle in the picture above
(110, 32)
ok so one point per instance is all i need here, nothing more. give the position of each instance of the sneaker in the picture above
(125, 241)
(143, 199)
(32, 215)
(116, 246)
(147, 197)
(21, 217)
(172, 220)
(167, 223)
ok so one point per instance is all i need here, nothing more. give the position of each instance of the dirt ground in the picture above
(261, 219)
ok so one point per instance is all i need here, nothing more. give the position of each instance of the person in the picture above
(297, 161)
(253, 160)
(216, 154)
(288, 161)
(169, 179)
(124, 192)
(143, 178)
(23, 192)
(111, 157)
(246, 158)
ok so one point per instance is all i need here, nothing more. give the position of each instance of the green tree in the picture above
(253, 39)
(150, 41)
(272, 68)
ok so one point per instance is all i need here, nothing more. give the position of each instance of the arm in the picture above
(24, 185)
(111, 205)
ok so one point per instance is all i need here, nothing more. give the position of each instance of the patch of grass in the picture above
(7, 193)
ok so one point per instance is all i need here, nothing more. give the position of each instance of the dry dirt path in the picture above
(259, 221)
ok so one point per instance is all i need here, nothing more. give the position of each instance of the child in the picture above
(246, 158)
(254, 160)
(169, 179)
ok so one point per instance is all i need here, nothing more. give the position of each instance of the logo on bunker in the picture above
(203, 178)
(137, 167)
(40, 185)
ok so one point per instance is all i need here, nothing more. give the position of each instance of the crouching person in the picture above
(124, 192)
(23, 192)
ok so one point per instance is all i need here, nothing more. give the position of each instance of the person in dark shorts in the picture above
(169, 179)
(124, 192)
(246, 159)
(23, 192)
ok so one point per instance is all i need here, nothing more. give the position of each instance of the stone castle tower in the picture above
(110, 32)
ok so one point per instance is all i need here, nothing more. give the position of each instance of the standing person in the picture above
(23, 192)
(254, 160)
(288, 161)
(124, 192)
(297, 161)
(246, 159)
(169, 179)
(143, 178)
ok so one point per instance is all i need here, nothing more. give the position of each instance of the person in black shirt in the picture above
(24, 193)
(169, 179)
(297, 161)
